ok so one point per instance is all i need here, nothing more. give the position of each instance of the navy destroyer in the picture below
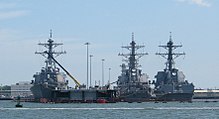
(170, 83)
(49, 78)
(50, 84)
(133, 85)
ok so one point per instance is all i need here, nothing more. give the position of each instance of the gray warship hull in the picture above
(171, 84)
(138, 96)
(41, 91)
(175, 97)
(133, 85)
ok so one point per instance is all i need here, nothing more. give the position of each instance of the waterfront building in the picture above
(5, 94)
(21, 89)
(206, 94)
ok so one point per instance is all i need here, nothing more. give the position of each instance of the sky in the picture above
(107, 25)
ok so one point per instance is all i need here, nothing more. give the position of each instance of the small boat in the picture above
(18, 102)
(18, 105)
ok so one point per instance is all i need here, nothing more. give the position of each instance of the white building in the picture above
(21, 89)
(206, 94)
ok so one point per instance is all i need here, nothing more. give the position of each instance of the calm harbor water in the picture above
(123, 110)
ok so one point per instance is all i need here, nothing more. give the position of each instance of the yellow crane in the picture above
(78, 85)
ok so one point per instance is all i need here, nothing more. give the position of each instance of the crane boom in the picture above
(76, 82)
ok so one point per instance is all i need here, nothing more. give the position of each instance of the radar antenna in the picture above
(133, 57)
(170, 55)
(49, 53)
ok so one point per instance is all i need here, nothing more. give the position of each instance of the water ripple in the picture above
(150, 108)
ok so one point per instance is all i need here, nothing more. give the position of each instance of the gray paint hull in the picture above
(41, 91)
(175, 97)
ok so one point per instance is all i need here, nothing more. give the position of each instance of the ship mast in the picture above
(170, 55)
(49, 53)
(133, 57)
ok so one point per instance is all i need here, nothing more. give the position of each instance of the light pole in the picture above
(109, 77)
(103, 72)
(90, 71)
(87, 44)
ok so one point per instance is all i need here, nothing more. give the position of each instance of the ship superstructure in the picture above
(133, 85)
(49, 78)
(170, 83)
